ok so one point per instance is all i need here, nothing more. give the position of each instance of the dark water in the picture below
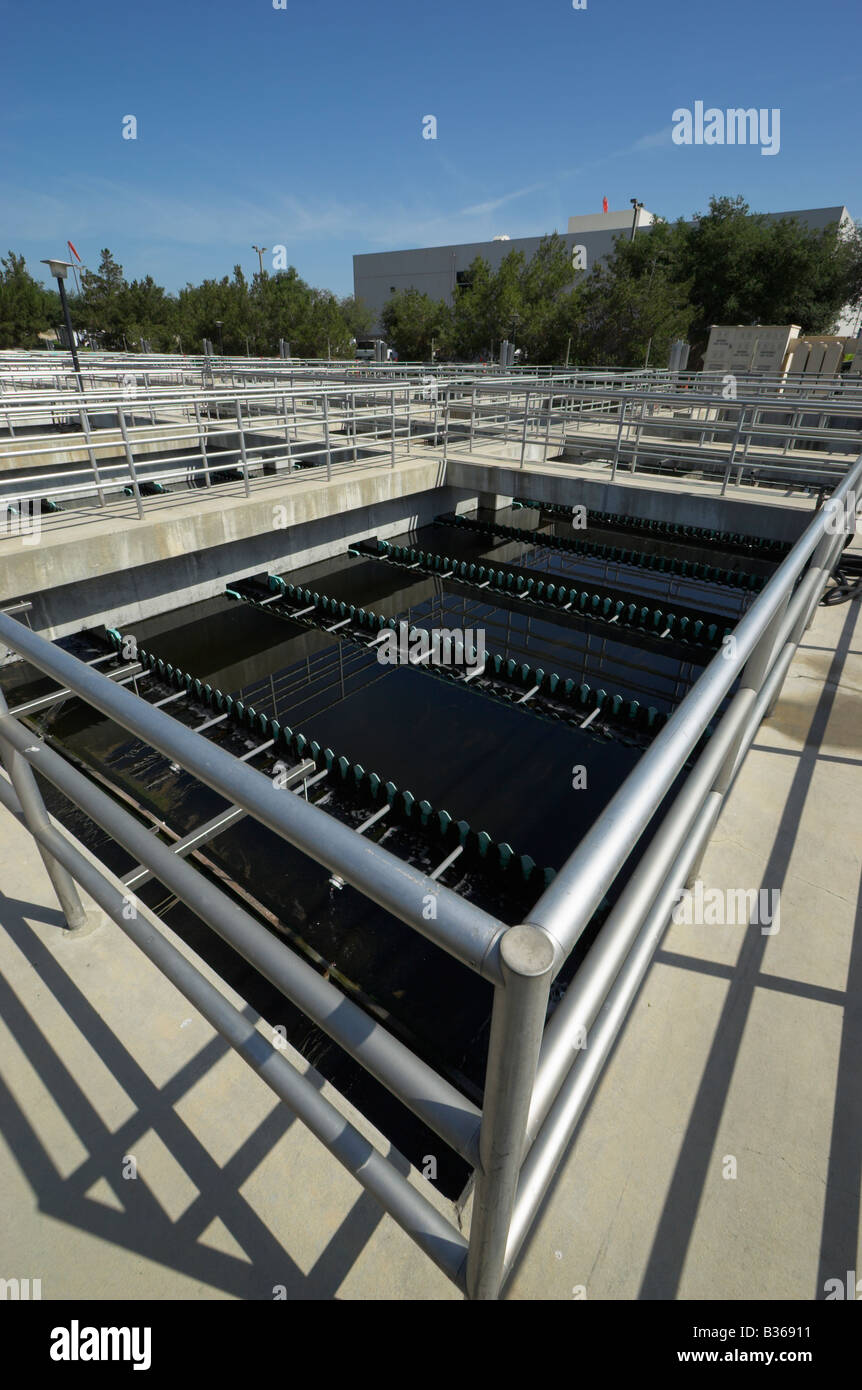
(505, 769)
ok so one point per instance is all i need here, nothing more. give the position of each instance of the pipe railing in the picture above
(538, 1076)
(262, 431)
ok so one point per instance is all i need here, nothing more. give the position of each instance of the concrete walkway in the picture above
(741, 1046)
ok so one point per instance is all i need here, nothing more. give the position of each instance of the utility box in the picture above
(745, 348)
(678, 358)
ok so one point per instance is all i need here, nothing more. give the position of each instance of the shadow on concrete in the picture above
(664, 1270)
(838, 1240)
(842, 1201)
(143, 1226)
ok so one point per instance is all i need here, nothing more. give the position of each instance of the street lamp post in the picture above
(59, 270)
(637, 207)
(260, 250)
(218, 324)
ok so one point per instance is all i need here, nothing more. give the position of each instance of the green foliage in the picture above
(26, 308)
(747, 269)
(727, 266)
(673, 280)
(635, 303)
(415, 325)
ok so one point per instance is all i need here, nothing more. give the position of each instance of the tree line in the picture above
(118, 315)
(673, 281)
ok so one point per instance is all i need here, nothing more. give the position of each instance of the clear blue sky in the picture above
(303, 126)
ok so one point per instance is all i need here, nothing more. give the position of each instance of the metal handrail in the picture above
(537, 1077)
(301, 418)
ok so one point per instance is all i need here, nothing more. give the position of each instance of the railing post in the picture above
(517, 1024)
(739, 424)
(524, 431)
(623, 406)
(392, 436)
(241, 427)
(202, 440)
(287, 432)
(131, 462)
(36, 818)
(85, 426)
(326, 436)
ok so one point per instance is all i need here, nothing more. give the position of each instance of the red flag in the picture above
(74, 253)
(604, 206)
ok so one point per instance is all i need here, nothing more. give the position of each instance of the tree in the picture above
(100, 308)
(358, 317)
(747, 269)
(26, 307)
(527, 302)
(635, 303)
(415, 325)
(547, 308)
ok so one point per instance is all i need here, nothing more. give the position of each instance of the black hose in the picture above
(848, 581)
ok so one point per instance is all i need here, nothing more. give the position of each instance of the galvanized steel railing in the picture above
(539, 1075)
(84, 446)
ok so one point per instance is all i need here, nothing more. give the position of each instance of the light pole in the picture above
(218, 324)
(260, 250)
(59, 270)
(637, 207)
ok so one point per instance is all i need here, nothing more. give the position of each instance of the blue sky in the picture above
(302, 127)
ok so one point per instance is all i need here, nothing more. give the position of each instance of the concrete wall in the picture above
(115, 569)
(167, 561)
(656, 503)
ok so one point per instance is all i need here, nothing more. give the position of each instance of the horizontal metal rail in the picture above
(433, 1099)
(538, 1077)
(276, 421)
(441, 1241)
(460, 928)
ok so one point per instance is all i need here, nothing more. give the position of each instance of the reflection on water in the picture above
(504, 769)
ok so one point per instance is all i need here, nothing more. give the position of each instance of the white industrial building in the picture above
(437, 270)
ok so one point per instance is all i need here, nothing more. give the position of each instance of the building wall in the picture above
(433, 269)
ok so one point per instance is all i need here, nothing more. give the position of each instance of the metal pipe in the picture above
(434, 1235)
(577, 1011)
(568, 903)
(520, 1006)
(524, 433)
(434, 1100)
(326, 437)
(622, 419)
(242, 453)
(130, 461)
(540, 1165)
(85, 426)
(36, 818)
(461, 928)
